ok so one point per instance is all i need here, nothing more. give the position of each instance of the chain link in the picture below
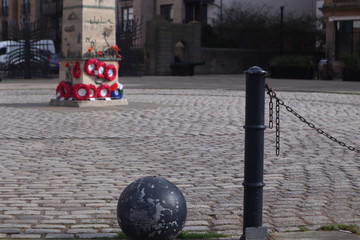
(279, 103)
(277, 123)
(271, 113)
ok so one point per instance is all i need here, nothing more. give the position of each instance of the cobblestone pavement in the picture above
(62, 169)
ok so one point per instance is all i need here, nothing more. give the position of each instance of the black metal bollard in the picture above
(254, 155)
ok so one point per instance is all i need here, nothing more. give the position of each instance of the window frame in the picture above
(167, 11)
(127, 18)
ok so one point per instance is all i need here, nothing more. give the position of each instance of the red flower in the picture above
(100, 53)
(115, 48)
(67, 64)
(90, 49)
(114, 87)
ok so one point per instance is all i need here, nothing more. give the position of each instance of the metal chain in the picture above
(271, 113)
(279, 103)
(277, 121)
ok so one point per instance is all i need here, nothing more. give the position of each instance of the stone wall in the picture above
(231, 61)
(162, 38)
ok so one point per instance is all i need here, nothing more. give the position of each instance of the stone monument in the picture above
(89, 57)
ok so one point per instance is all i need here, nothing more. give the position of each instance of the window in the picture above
(5, 30)
(127, 18)
(343, 38)
(26, 7)
(347, 37)
(2, 51)
(5, 3)
(195, 11)
(5, 8)
(167, 11)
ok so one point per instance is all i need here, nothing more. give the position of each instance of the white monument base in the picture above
(80, 104)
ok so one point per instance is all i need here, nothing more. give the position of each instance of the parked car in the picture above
(13, 53)
(6, 47)
(53, 61)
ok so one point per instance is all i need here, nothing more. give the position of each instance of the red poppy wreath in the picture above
(100, 69)
(63, 90)
(92, 91)
(57, 92)
(110, 72)
(103, 91)
(76, 70)
(81, 91)
(90, 66)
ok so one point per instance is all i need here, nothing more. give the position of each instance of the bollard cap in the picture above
(255, 70)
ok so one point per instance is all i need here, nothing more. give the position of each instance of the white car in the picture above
(14, 52)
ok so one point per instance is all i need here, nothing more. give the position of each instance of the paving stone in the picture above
(196, 228)
(42, 230)
(25, 236)
(90, 226)
(13, 225)
(196, 223)
(59, 236)
(82, 230)
(10, 230)
(97, 235)
(50, 226)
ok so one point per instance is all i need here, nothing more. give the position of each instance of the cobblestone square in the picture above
(62, 170)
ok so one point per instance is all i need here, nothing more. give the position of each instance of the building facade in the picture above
(297, 7)
(176, 11)
(44, 14)
(342, 19)
(130, 12)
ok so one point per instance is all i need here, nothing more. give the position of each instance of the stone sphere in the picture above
(151, 208)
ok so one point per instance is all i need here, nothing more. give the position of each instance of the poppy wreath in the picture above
(103, 91)
(76, 70)
(81, 91)
(100, 69)
(92, 91)
(57, 92)
(90, 66)
(117, 93)
(110, 72)
(63, 90)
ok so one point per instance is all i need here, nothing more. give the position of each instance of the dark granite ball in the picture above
(151, 208)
